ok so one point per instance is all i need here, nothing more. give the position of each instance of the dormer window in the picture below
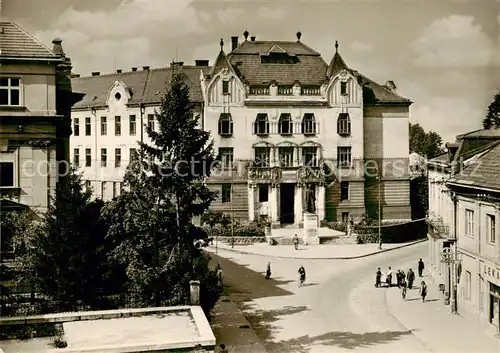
(343, 88)
(225, 125)
(285, 124)
(118, 96)
(261, 125)
(225, 87)
(343, 124)
(309, 124)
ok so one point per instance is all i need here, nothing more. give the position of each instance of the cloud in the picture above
(228, 16)
(361, 47)
(456, 41)
(270, 13)
(126, 36)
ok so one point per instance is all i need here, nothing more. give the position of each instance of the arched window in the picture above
(285, 125)
(309, 124)
(225, 125)
(344, 124)
(261, 125)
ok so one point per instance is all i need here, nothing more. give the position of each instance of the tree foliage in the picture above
(492, 119)
(64, 255)
(419, 196)
(150, 222)
(427, 144)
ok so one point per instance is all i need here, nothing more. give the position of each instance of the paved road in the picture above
(339, 310)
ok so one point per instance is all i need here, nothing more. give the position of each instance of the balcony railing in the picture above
(438, 225)
(259, 91)
(285, 90)
(311, 91)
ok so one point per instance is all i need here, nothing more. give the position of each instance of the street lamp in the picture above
(379, 179)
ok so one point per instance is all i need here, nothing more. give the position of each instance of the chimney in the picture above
(252, 38)
(234, 43)
(201, 62)
(245, 34)
(57, 48)
(134, 69)
(118, 71)
(96, 73)
(145, 68)
(391, 86)
(177, 63)
(299, 35)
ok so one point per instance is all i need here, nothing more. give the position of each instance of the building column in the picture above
(251, 203)
(298, 204)
(273, 200)
(320, 202)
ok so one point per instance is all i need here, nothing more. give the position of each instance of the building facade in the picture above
(35, 107)
(283, 121)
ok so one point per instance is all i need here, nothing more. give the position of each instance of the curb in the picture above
(325, 258)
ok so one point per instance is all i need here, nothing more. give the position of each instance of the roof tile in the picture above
(15, 42)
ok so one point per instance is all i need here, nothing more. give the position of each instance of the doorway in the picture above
(287, 199)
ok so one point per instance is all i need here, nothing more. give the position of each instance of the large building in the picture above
(464, 206)
(283, 121)
(35, 108)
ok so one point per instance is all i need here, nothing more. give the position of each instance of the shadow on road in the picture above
(346, 340)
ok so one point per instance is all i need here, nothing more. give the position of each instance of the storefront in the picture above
(491, 274)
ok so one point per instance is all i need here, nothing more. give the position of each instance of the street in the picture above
(338, 310)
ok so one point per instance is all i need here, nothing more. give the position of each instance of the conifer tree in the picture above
(492, 119)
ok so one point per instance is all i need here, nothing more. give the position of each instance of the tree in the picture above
(427, 144)
(64, 258)
(492, 119)
(419, 196)
(150, 222)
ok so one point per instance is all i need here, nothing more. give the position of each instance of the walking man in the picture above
(268, 270)
(296, 242)
(411, 278)
(423, 291)
(420, 267)
(388, 276)
(378, 278)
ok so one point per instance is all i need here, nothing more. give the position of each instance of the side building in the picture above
(285, 121)
(112, 117)
(35, 106)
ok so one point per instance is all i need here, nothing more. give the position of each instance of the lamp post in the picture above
(379, 215)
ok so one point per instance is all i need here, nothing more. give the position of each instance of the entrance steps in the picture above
(284, 236)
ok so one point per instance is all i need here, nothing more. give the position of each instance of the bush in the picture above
(339, 226)
(249, 230)
(392, 233)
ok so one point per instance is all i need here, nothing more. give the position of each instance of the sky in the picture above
(444, 55)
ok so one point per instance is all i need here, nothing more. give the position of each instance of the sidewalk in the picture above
(433, 324)
(319, 252)
(232, 328)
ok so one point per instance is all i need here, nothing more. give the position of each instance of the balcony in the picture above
(437, 226)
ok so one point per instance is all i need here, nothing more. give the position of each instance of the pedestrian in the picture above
(403, 288)
(411, 278)
(302, 275)
(423, 291)
(388, 276)
(420, 267)
(398, 278)
(378, 278)
(218, 269)
(268, 270)
(223, 349)
(296, 241)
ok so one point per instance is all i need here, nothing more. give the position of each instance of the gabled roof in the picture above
(146, 86)
(16, 43)
(482, 171)
(220, 63)
(336, 65)
(480, 134)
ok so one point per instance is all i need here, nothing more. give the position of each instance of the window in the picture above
(226, 155)
(286, 156)
(6, 174)
(285, 124)
(131, 125)
(118, 157)
(118, 126)
(263, 193)
(104, 126)
(468, 284)
(226, 193)
(104, 157)
(344, 124)
(469, 223)
(344, 190)
(151, 122)
(115, 189)
(308, 124)
(262, 156)
(344, 157)
(490, 228)
(343, 88)
(132, 154)
(88, 157)
(76, 127)
(88, 127)
(103, 189)
(309, 156)
(76, 157)
(10, 91)
(225, 87)
(261, 126)
(225, 124)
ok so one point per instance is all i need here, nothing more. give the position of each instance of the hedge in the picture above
(392, 233)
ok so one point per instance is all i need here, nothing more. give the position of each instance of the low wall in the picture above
(241, 240)
(393, 233)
